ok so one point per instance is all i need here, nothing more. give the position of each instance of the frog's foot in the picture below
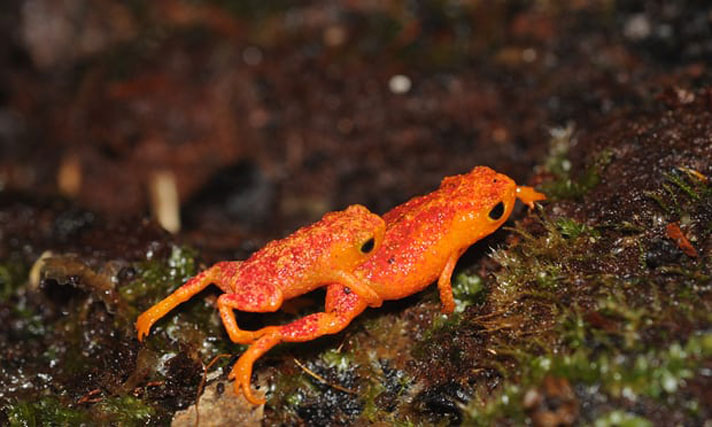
(242, 371)
(145, 321)
(528, 195)
(143, 325)
(241, 374)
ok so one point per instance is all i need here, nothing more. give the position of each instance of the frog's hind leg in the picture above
(215, 274)
(341, 308)
(260, 298)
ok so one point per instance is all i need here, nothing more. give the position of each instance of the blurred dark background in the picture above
(260, 116)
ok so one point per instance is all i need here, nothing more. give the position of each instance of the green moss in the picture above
(34, 325)
(289, 390)
(379, 379)
(292, 392)
(623, 374)
(570, 228)
(467, 290)
(546, 260)
(660, 200)
(45, 411)
(683, 185)
(681, 192)
(125, 411)
(371, 411)
(13, 274)
(621, 419)
(655, 374)
(362, 368)
(159, 277)
(337, 359)
(371, 381)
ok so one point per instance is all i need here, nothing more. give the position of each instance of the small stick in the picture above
(322, 379)
(165, 201)
(87, 398)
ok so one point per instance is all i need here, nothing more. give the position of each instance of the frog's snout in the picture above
(528, 195)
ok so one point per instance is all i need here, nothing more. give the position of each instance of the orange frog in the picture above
(316, 255)
(423, 240)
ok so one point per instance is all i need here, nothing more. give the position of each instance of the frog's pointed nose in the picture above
(528, 195)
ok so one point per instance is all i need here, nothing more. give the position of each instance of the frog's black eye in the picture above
(497, 211)
(368, 245)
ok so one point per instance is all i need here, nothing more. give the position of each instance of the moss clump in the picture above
(571, 229)
(45, 411)
(338, 360)
(629, 375)
(13, 274)
(123, 410)
(379, 386)
(621, 419)
(541, 265)
(467, 290)
(682, 190)
(160, 277)
(338, 389)
(384, 393)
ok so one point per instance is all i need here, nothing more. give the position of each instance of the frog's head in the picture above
(488, 199)
(357, 234)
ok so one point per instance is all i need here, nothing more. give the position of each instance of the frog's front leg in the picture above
(445, 282)
(341, 308)
(359, 288)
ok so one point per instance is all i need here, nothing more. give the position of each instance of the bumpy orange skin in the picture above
(424, 239)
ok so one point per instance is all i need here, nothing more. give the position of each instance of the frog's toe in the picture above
(143, 327)
(242, 374)
(247, 390)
